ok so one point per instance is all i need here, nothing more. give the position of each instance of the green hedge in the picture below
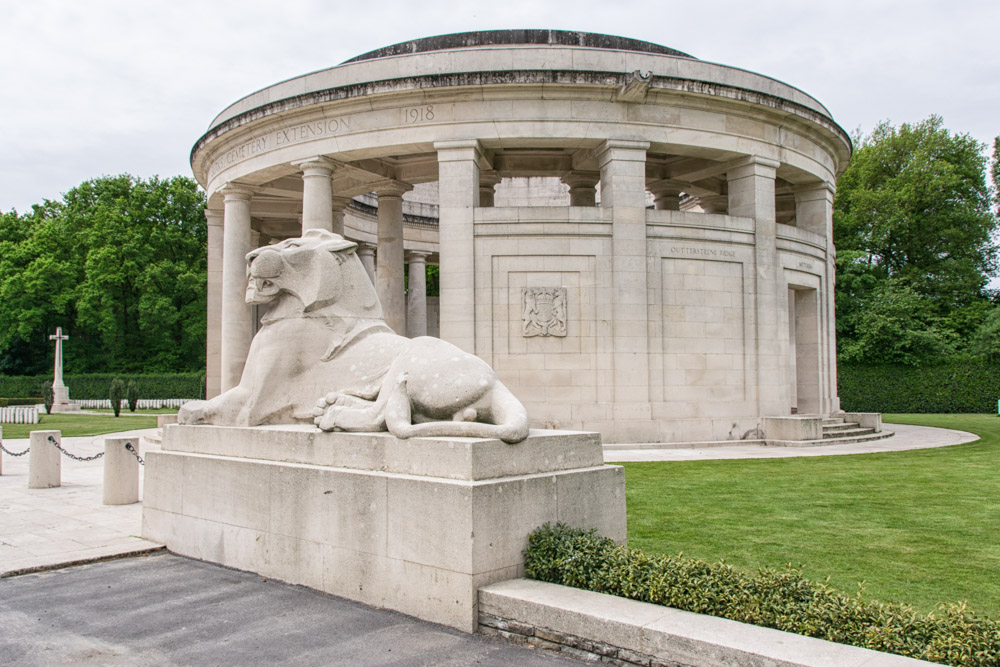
(95, 386)
(782, 600)
(13, 402)
(952, 387)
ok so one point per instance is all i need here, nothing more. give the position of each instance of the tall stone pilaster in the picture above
(623, 190)
(751, 195)
(317, 193)
(814, 213)
(236, 329)
(389, 282)
(213, 334)
(416, 294)
(458, 191)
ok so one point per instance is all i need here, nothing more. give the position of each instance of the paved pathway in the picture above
(906, 437)
(167, 610)
(41, 528)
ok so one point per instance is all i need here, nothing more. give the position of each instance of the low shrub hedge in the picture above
(12, 402)
(782, 600)
(95, 385)
(961, 386)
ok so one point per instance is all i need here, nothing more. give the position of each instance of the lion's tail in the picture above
(510, 432)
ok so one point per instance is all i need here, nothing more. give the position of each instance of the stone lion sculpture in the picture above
(324, 354)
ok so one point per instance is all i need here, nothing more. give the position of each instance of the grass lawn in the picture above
(75, 425)
(920, 527)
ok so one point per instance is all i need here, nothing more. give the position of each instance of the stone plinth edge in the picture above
(594, 626)
(419, 530)
(451, 458)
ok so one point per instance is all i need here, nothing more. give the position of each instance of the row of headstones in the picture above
(121, 466)
(19, 415)
(142, 404)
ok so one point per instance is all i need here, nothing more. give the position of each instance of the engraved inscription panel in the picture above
(543, 311)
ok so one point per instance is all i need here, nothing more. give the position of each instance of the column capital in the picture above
(234, 191)
(340, 203)
(752, 165)
(621, 149)
(820, 190)
(579, 178)
(418, 255)
(315, 166)
(454, 150)
(390, 188)
(214, 216)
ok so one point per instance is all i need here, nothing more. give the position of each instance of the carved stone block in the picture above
(543, 310)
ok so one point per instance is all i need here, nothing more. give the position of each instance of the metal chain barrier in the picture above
(128, 446)
(10, 453)
(73, 456)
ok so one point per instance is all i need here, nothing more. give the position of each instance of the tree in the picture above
(913, 223)
(120, 263)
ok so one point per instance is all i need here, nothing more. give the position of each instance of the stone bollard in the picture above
(121, 472)
(1, 453)
(44, 461)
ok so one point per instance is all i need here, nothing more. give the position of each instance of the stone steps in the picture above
(868, 436)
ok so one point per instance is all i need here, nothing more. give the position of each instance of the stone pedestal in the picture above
(61, 402)
(416, 525)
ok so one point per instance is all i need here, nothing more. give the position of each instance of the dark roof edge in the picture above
(528, 37)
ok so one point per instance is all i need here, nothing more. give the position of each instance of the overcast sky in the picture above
(98, 87)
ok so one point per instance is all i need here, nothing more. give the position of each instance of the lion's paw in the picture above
(327, 410)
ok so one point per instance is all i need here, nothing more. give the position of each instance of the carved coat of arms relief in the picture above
(543, 311)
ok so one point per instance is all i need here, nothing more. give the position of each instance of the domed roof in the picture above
(460, 40)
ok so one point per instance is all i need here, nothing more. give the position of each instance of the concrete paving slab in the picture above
(168, 610)
(906, 437)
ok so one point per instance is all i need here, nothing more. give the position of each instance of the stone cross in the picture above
(58, 337)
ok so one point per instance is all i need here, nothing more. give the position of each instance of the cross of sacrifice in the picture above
(58, 337)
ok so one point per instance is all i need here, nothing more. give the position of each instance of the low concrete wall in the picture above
(865, 419)
(594, 626)
(793, 428)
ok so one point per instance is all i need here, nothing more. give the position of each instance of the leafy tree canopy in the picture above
(915, 232)
(120, 264)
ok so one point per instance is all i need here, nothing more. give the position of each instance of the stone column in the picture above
(366, 252)
(487, 187)
(389, 282)
(213, 342)
(666, 196)
(340, 205)
(623, 190)
(814, 213)
(715, 204)
(458, 190)
(416, 294)
(751, 195)
(317, 193)
(582, 187)
(236, 329)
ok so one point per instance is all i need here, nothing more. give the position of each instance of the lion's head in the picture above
(319, 269)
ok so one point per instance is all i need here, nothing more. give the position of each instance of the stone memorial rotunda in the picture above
(638, 241)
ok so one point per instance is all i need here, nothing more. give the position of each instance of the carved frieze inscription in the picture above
(327, 127)
(543, 311)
